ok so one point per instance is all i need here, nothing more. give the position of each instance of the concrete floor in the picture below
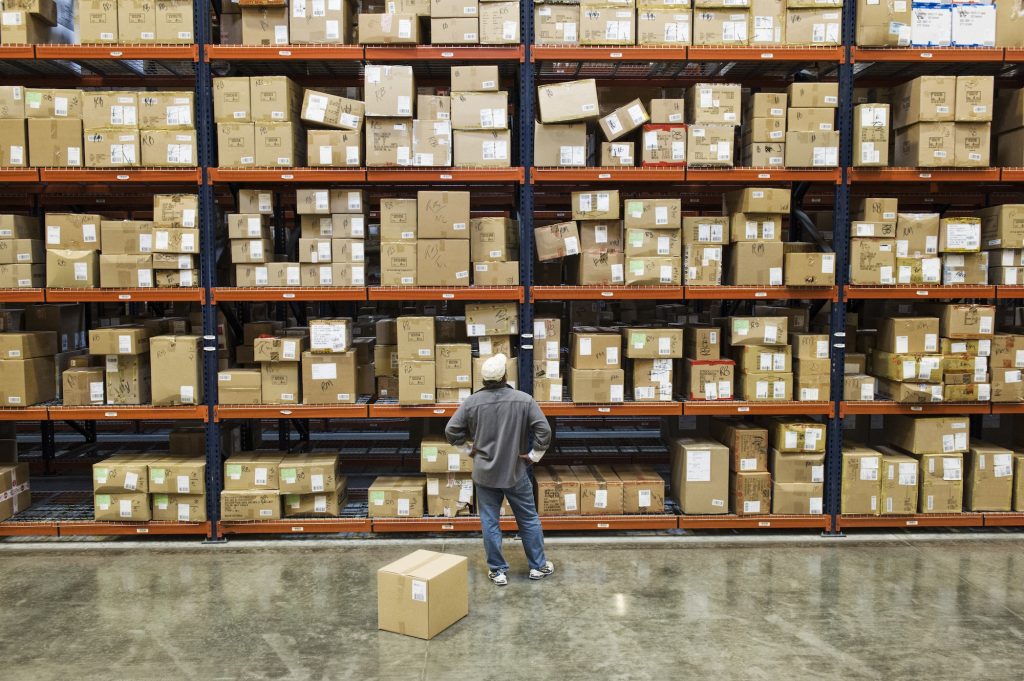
(682, 609)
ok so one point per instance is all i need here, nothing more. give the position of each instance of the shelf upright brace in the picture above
(527, 96)
(841, 244)
(208, 267)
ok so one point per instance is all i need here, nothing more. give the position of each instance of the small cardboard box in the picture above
(863, 470)
(810, 269)
(556, 24)
(264, 26)
(136, 21)
(597, 386)
(443, 215)
(482, 148)
(416, 382)
(663, 145)
(566, 102)
(751, 492)
(710, 145)
(236, 144)
(252, 471)
(128, 379)
(455, 31)
(178, 475)
(479, 110)
(389, 29)
(664, 27)
(607, 26)
(756, 263)
(280, 382)
(560, 144)
(133, 507)
(422, 594)
(898, 483)
(643, 489)
(747, 443)
(244, 505)
(725, 26)
(623, 120)
(240, 386)
(389, 90)
(600, 490)
(396, 497)
(668, 110)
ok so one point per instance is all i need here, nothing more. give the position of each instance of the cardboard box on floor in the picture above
(422, 594)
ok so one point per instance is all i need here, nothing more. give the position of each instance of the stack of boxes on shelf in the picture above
(944, 24)
(138, 486)
(449, 477)
(426, 241)
(698, 128)
(22, 253)
(931, 465)
(943, 122)
(451, 22)
(167, 22)
(598, 490)
(797, 464)
(27, 367)
(710, 22)
(85, 250)
(269, 486)
(258, 122)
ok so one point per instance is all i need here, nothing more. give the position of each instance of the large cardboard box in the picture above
(449, 495)
(329, 378)
(560, 145)
(597, 385)
(883, 24)
(941, 487)
(55, 142)
(556, 24)
(265, 26)
(388, 29)
(898, 483)
(700, 476)
(177, 370)
(557, 491)
(818, 26)
(132, 507)
(136, 21)
(602, 25)
(96, 21)
(926, 435)
(128, 379)
(416, 382)
(747, 443)
(925, 99)
(872, 261)
(422, 594)
(442, 262)
(482, 148)
(443, 215)
(280, 382)
(389, 91)
(797, 498)
(569, 101)
(721, 26)
(188, 508)
(125, 472)
(320, 25)
(244, 505)
(710, 145)
(240, 386)
(236, 144)
(989, 483)
(396, 497)
(337, 148)
(862, 479)
(479, 110)
(178, 475)
(310, 474)
(643, 489)
(252, 471)
(600, 490)
(24, 382)
(756, 263)
(454, 365)
(281, 144)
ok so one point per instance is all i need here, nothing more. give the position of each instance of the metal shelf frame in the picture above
(663, 65)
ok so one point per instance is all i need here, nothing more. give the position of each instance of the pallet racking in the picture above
(529, 65)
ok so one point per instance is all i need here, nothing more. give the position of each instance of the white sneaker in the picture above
(546, 571)
(498, 578)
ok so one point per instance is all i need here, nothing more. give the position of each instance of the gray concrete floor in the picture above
(679, 608)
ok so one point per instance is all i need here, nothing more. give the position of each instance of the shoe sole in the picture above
(543, 575)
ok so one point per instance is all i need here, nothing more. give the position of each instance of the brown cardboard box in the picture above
(329, 378)
(482, 148)
(883, 24)
(126, 271)
(917, 234)
(174, 22)
(710, 145)
(872, 261)
(898, 483)
(281, 144)
(332, 111)
(322, 25)
(1002, 227)
(96, 21)
(41, 103)
(71, 269)
(557, 241)
(652, 380)
(24, 382)
(721, 26)
(245, 251)
(179, 507)
(499, 23)
(651, 271)
(702, 265)
(569, 101)
(27, 344)
(265, 26)
(643, 489)
(130, 507)
(653, 242)
(794, 435)
(560, 145)
(442, 215)
(454, 365)
(55, 142)
(644, 343)
(963, 321)
(443, 576)
(924, 435)
(389, 90)
(327, 202)
(819, 26)
(1007, 385)
(398, 263)
(747, 444)
(398, 219)
(474, 78)
(338, 148)
(258, 471)
(1018, 481)
(83, 386)
(479, 110)
(75, 231)
(941, 483)
(755, 226)
(110, 110)
(813, 94)
(600, 490)
(664, 145)
(442, 262)
(595, 350)
(700, 476)
(751, 492)
(765, 387)
(280, 382)
(812, 149)
(767, 200)
(279, 349)
(455, 31)
(926, 145)
(664, 27)
(972, 142)
(768, 129)
(623, 120)
(245, 505)
(123, 472)
(657, 214)
(709, 379)
(491, 319)
(871, 135)
(974, 98)
(232, 102)
(758, 330)
(391, 29)
(615, 154)
(416, 382)
(119, 340)
(600, 386)
(167, 148)
(797, 498)
(556, 24)
(396, 497)
(240, 386)
(128, 379)
(13, 143)
(431, 143)
(705, 230)
(416, 338)
(989, 483)
(810, 269)
(908, 335)
(236, 144)
(449, 495)
(178, 475)
(14, 483)
(863, 469)
(493, 239)
(136, 21)
(756, 263)
(800, 467)
(437, 456)
(607, 26)
(668, 110)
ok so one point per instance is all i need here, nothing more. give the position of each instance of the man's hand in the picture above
(533, 456)
(468, 450)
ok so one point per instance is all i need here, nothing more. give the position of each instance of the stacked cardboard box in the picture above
(426, 241)
(943, 121)
(547, 348)
(700, 476)
(481, 134)
(763, 356)
(494, 249)
(265, 486)
(263, 108)
(280, 359)
(595, 374)
(749, 483)
(449, 477)
(598, 490)
(334, 134)
(939, 445)
(135, 486)
(15, 490)
(706, 374)
(126, 21)
(22, 252)
(797, 465)
(330, 366)
(652, 353)
(126, 374)
(27, 367)
(811, 138)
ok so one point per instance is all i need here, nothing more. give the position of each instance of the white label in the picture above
(752, 506)
(125, 508)
(419, 587)
(324, 372)
(644, 498)
(698, 466)
(403, 510)
(260, 476)
(601, 498)
(570, 501)
(131, 480)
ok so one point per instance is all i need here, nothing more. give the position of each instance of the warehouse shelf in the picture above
(120, 412)
(847, 520)
(927, 54)
(761, 293)
(390, 409)
(28, 529)
(665, 175)
(427, 524)
(96, 528)
(17, 52)
(755, 522)
(121, 175)
(924, 174)
(276, 175)
(832, 175)
(19, 175)
(290, 411)
(1014, 54)
(1012, 174)
(605, 53)
(768, 53)
(907, 292)
(1007, 407)
(223, 294)
(747, 408)
(455, 53)
(297, 526)
(615, 409)
(606, 293)
(611, 523)
(125, 295)
(22, 295)
(445, 175)
(1003, 519)
(1009, 292)
(514, 293)
(149, 53)
(847, 408)
(284, 53)
(34, 413)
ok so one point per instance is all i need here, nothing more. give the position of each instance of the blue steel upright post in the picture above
(527, 95)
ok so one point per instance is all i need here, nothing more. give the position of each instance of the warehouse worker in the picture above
(499, 421)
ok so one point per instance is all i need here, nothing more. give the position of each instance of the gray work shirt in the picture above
(499, 421)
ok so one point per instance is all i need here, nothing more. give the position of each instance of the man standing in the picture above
(499, 420)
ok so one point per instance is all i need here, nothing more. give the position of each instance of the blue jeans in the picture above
(520, 498)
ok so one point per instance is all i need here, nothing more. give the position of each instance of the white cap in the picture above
(494, 368)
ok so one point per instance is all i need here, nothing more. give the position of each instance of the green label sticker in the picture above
(103, 499)
(234, 469)
(377, 498)
(741, 326)
(289, 475)
(637, 339)
(291, 500)
(157, 475)
(636, 237)
(429, 453)
(34, 98)
(100, 474)
(636, 266)
(161, 500)
(635, 208)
